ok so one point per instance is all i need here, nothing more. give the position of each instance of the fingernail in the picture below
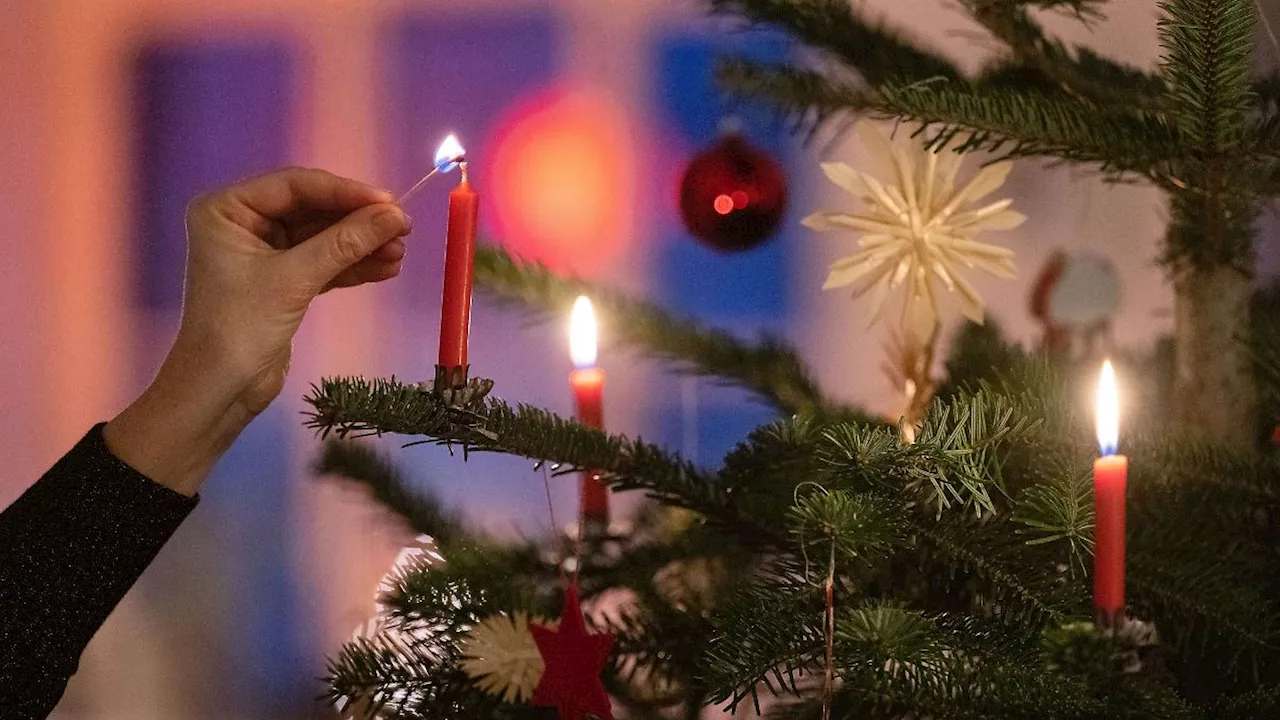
(391, 223)
(408, 223)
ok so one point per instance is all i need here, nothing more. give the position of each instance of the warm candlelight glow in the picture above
(1108, 410)
(449, 154)
(582, 333)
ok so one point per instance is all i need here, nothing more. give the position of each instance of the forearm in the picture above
(70, 548)
(179, 426)
(77, 540)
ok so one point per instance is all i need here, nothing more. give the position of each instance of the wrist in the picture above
(179, 427)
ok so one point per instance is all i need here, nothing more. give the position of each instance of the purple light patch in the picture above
(455, 74)
(209, 113)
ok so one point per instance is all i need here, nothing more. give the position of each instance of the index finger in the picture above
(281, 193)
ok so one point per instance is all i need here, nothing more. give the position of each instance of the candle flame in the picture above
(1108, 410)
(582, 333)
(450, 154)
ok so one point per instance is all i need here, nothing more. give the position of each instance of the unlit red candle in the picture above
(1109, 479)
(587, 382)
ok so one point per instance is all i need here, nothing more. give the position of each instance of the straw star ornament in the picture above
(501, 655)
(918, 229)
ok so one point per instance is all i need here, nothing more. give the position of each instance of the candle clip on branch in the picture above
(461, 392)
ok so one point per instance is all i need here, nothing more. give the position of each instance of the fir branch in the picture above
(955, 461)
(1082, 73)
(357, 406)
(1264, 341)
(641, 562)
(948, 666)
(970, 434)
(1060, 511)
(1212, 215)
(806, 99)
(1014, 124)
(765, 637)
(770, 369)
(890, 642)
(836, 27)
(1016, 599)
(656, 652)
(362, 464)
(762, 472)
(860, 526)
(1204, 622)
(1265, 138)
(1011, 123)
(894, 662)
(1267, 91)
(392, 674)
(1190, 468)
(1199, 571)
(1263, 702)
(979, 354)
(1208, 63)
(964, 688)
(474, 581)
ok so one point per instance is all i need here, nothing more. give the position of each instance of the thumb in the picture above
(323, 257)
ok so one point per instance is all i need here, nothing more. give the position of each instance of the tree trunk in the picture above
(1213, 385)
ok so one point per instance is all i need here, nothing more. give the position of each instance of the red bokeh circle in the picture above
(562, 180)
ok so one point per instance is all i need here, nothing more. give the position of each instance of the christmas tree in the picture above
(836, 565)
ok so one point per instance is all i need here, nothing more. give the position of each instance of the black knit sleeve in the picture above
(70, 548)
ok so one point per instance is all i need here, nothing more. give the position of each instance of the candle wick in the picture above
(462, 165)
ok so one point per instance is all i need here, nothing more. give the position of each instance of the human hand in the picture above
(258, 253)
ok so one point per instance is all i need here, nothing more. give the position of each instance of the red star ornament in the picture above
(574, 659)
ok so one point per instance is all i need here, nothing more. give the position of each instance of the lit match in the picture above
(449, 156)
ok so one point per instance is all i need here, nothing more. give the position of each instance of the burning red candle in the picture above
(459, 260)
(1109, 478)
(588, 391)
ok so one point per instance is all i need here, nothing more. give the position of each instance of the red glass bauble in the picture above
(733, 195)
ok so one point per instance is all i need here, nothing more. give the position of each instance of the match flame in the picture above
(582, 333)
(1108, 410)
(450, 154)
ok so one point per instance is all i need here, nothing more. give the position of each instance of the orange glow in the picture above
(563, 179)
(723, 204)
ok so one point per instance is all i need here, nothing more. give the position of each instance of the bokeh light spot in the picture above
(723, 204)
(563, 180)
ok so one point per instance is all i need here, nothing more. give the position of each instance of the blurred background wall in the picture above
(579, 115)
